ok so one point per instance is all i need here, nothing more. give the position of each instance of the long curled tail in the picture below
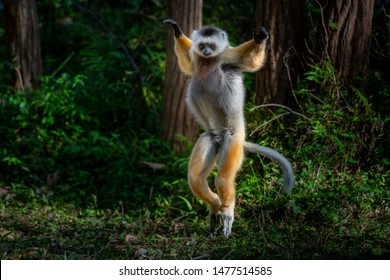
(285, 165)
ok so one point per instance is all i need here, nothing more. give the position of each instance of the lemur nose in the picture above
(207, 52)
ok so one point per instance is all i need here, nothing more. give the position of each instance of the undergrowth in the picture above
(338, 209)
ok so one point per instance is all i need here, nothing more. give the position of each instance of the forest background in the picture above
(95, 137)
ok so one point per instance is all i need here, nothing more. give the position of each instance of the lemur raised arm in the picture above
(216, 98)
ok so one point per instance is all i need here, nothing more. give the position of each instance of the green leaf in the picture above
(189, 206)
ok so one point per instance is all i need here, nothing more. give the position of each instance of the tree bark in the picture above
(24, 45)
(176, 120)
(286, 22)
(345, 36)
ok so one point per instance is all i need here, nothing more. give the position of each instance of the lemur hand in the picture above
(261, 36)
(176, 28)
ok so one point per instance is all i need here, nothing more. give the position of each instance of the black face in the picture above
(207, 49)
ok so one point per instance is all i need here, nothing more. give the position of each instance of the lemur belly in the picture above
(216, 106)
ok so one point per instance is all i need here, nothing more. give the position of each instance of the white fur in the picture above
(220, 40)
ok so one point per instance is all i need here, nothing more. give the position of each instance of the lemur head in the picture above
(209, 41)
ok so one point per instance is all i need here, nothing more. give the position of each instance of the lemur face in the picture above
(209, 41)
(207, 49)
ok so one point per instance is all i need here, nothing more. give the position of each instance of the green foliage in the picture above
(87, 126)
(340, 127)
(343, 125)
(53, 132)
(338, 148)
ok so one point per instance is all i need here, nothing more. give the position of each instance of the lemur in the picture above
(216, 96)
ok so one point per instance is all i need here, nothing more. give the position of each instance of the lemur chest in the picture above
(215, 94)
(215, 86)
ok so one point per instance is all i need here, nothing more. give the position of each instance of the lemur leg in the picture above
(229, 162)
(202, 161)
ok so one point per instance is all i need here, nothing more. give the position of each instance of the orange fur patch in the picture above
(182, 48)
(197, 178)
(227, 173)
(249, 55)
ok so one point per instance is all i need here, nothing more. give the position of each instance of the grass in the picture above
(328, 216)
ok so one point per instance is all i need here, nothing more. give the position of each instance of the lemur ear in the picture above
(224, 35)
(193, 34)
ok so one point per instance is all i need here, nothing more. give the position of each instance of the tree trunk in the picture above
(177, 122)
(345, 36)
(24, 46)
(286, 22)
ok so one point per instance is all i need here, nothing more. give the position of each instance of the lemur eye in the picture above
(212, 46)
(201, 46)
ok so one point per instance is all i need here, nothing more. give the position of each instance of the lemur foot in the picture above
(227, 225)
(227, 216)
(261, 36)
(213, 222)
(176, 28)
